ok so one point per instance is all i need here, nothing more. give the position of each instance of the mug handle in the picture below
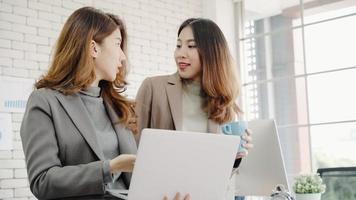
(227, 129)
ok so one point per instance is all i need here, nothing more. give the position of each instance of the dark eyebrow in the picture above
(190, 40)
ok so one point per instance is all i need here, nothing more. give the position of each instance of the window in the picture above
(299, 67)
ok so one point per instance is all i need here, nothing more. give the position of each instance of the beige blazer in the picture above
(159, 104)
(61, 150)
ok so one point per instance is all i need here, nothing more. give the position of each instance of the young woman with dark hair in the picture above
(201, 96)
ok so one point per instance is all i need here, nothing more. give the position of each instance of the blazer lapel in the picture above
(75, 109)
(174, 93)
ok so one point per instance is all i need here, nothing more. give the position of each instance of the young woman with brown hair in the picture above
(77, 131)
(201, 96)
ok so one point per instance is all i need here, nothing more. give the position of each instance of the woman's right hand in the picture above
(177, 197)
(123, 162)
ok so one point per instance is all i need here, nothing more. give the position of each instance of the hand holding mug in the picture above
(239, 128)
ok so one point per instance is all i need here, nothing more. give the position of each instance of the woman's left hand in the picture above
(178, 197)
(248, 145)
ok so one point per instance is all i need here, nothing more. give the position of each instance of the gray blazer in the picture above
(61, 150)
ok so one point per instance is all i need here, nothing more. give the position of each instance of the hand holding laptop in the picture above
(123, 162)
(177, 197)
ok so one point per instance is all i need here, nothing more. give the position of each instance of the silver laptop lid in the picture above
(263, 168)
(175, 161)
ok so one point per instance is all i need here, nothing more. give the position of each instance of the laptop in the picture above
(187, 162)
(263, 168)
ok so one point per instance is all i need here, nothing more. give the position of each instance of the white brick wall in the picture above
(29, 28)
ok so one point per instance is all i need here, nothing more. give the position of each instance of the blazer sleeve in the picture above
(144, 105)
(48, 177)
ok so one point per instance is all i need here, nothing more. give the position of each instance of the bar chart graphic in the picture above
(14, 93)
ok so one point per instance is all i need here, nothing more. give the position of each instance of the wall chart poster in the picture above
(14, 93)
(5, 131)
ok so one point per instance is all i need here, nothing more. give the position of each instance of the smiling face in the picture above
(108, 57)
(187, 56)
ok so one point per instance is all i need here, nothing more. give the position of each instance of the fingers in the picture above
(247, 145)
(248, 138)
(177, 197)
(241, 154)
(123, 162)
(187, 197)
(248, 131)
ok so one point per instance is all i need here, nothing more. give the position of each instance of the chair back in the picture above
(340, 183)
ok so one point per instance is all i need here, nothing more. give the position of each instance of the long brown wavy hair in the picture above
(219, 81)
(73, 69)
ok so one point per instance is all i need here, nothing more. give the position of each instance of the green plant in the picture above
(308, 183)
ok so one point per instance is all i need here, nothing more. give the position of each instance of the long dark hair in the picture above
(219, 79)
